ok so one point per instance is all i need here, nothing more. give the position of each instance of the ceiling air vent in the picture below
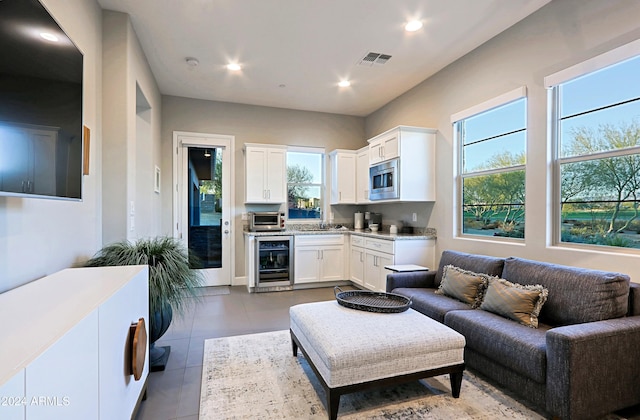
(374, 58)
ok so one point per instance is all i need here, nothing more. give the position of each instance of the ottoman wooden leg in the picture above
(456, 383)
(294, 347)
(333, 403)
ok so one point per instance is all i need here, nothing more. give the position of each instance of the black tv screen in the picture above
(40, 105)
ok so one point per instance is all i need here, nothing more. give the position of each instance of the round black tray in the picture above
(385, 303)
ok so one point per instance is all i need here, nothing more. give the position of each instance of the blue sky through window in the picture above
(486, 134)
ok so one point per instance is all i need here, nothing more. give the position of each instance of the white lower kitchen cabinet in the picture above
(356, 261)
(375, 275)
(319, 258)
(379, 253)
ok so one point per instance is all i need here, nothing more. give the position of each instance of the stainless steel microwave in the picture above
(266, 221)
(384, 180)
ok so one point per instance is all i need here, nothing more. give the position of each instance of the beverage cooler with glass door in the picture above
(274, 261)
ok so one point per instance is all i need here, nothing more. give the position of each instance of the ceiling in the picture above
(293, 53)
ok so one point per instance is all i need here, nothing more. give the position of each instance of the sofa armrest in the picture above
(593, 368)
(410, 279)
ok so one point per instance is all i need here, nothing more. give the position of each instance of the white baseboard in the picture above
(239, 281)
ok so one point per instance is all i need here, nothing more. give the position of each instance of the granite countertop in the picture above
(424, 233)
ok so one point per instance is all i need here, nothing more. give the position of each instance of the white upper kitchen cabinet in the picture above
(384, 146)
(265, 173)
(343, 176)
(415, 149)
(362, 176)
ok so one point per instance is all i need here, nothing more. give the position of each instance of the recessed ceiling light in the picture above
(192, 62)
(344, 83)
(234, 67)
(413, 26)
(48, 36)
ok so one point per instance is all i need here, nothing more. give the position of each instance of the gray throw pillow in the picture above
(466, 286)
(515, 301)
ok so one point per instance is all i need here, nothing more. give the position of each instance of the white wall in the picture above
(249, 124)
(39, 236)
(562, 33)
(131, 146)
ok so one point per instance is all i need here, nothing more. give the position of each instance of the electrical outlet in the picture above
(245, 216)
(415, 217)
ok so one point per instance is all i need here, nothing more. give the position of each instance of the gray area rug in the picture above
(256, 377)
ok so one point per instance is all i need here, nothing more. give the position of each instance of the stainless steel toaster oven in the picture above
(266, 221)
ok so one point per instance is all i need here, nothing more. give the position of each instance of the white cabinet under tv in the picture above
(66, 345)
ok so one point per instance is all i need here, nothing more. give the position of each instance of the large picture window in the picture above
(305, 178)
(492, 148)
(596, 120)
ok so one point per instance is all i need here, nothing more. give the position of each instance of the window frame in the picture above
(552, 83)
(315, 150)
(459, 172)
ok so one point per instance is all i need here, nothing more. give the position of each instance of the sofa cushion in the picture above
(427, 302)
(464, 285)
(471, 262)
(576, 295)
(512, 345)
(515, 301)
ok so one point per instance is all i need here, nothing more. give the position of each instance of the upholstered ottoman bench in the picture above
(351, 350)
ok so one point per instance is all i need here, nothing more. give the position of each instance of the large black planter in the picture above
(158, 324)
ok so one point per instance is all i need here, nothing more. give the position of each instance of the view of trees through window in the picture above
(493, 145)
(304, 185)
(599, 156)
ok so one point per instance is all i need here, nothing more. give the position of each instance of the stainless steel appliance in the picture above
(274, 261)
(266, 221)
(384, 180)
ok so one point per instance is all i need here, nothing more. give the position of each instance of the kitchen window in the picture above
(595, 119)
(491, 139)
(305, 181)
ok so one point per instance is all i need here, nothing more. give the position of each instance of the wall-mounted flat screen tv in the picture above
(40, 105)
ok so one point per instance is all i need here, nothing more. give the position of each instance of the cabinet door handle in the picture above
(361, 255)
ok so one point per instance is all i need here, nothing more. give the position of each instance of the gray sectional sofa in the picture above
(583, 360)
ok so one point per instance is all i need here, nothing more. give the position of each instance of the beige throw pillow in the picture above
(515, 301)
(466, 286)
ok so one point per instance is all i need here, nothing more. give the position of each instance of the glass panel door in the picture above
(205, 205)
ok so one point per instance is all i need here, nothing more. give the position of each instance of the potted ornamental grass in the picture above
(172, 282)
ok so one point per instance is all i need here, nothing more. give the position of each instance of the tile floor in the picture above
(174, 394)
